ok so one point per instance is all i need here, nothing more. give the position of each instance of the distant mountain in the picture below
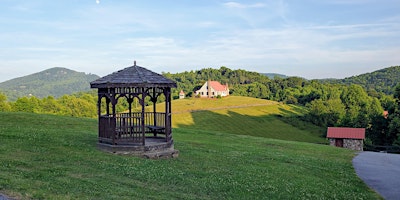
(383, 80)
(273, 75)
(51, 82)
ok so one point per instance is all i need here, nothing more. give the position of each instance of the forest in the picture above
(350, 102)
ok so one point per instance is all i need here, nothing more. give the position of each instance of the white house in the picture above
(213, 89)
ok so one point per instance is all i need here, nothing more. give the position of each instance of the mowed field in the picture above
(245, 116)
(55, 157)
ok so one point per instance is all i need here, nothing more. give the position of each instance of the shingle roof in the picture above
(347, 133)
(134, 76)
(217, 86)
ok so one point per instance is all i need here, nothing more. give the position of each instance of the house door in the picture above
(339, 142)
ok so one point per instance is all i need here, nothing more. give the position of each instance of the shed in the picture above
(351, 138)
(139, 132)
(181, 94)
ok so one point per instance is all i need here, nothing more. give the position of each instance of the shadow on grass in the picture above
(276, 126)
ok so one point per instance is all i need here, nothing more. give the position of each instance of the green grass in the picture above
(245, 116)
(53, 157)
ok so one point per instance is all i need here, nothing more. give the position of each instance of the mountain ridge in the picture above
(382, 80)
(55, 82)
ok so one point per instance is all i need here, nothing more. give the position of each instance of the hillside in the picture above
(244, 116)
(383, 80)
(38, 161)
(51, 82)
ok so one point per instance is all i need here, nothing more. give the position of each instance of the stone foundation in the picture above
(153, 149)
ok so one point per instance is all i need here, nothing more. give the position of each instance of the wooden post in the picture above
(113, 119)
(142, 116)
(167, 93)
(154, 100)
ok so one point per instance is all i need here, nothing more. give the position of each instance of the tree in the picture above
(355, 100)
(394, 124)
(4, 105)
(77, 107)
(25, 104)
(326, 113)
(50, 105)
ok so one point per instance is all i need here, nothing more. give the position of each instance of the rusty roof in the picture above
(134, 76)
(346, 133)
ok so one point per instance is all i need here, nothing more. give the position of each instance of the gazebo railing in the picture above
(128, 127)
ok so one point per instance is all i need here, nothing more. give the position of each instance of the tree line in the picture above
(77, 105)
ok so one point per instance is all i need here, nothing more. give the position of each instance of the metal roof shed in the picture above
(351, 138)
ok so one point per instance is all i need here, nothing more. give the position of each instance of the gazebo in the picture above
(135, 131)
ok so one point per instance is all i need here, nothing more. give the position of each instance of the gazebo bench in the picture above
(156, 129)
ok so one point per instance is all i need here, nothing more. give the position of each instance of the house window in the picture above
(213, 93)
(202, 93)
(207, 93)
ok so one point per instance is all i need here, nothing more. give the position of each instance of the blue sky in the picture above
(308, 38)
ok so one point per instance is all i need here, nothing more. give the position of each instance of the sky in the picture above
(309, 38)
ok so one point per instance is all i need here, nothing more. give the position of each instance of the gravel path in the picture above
(380, 171)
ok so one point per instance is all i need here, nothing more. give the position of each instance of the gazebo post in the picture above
(113, 122)
(154, 100)
(167, 94)
(143, 116)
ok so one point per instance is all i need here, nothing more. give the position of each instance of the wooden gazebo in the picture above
(135, 131)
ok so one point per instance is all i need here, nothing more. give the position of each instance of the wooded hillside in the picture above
(383, 80)
(51, 82)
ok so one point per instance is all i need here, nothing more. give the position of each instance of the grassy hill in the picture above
(53, 157)
(51, 82)
(244, 116)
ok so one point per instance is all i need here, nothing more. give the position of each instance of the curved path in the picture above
(380, 171)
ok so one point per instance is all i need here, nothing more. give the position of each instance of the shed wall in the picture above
(353, 144)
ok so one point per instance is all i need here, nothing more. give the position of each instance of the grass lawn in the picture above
(53, 157)
(245, 116)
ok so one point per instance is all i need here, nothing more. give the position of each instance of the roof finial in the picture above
(134, 63)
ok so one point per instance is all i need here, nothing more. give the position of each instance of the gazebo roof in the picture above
(134, 76)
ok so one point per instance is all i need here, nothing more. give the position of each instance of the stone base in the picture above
(154, 148)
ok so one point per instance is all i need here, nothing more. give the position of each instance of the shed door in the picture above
(339, 142)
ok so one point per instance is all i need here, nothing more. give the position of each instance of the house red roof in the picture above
(217, 86)
(347, 133)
